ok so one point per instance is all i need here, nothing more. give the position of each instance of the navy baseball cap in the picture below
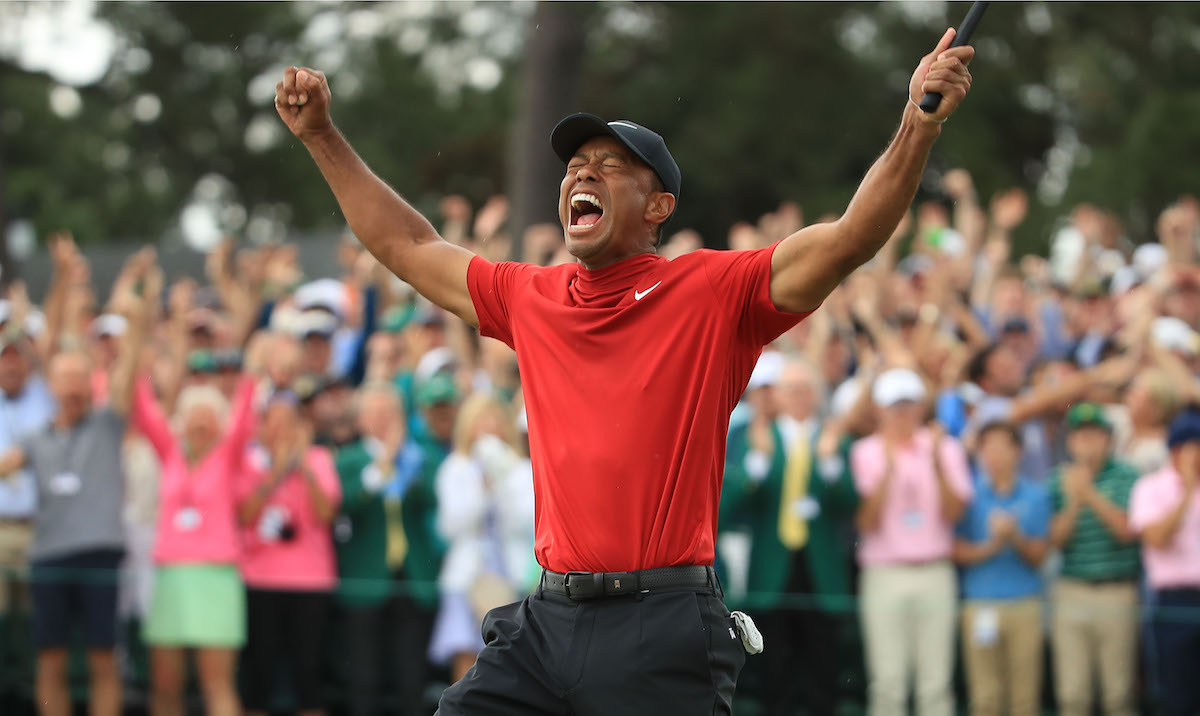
(1184, 428)
(647, 145)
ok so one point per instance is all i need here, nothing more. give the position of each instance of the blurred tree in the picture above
(548, 91)
(759, 102)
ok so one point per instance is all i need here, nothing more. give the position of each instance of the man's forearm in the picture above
(392, 230)
(384, 223)
(889, 186)
(1048, 397)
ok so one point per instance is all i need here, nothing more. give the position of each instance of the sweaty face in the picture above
(603, 202)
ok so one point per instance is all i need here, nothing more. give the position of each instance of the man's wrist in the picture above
(320, 136)
(921, 122)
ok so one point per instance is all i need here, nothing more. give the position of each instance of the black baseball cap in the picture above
(647, 145)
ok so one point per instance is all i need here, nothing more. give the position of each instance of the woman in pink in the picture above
(198, 601)
(286, 503)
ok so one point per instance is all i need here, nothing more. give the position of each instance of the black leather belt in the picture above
(593, 585)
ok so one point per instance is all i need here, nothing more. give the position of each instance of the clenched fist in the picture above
(302, 100)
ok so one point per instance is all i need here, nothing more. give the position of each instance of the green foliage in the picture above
(759, 102)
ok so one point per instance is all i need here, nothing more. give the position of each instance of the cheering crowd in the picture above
(307, 491)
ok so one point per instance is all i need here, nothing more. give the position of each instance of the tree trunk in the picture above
(553, 56)
(9, 271)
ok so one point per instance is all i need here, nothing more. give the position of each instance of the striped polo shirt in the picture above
(1092, 553)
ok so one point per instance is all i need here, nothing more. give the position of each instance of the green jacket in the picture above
(753, 506)
(360, 534)
(418, 510)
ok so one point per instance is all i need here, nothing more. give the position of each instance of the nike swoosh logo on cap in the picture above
(639, 295)
(620, 123)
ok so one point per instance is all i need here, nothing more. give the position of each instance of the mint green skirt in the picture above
(197, 605)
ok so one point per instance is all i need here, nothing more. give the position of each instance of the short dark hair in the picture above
(1007, 427)
(977, 367)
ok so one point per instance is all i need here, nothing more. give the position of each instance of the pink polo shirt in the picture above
(912, 530)
(1154, 496)
(197, 520)
(305, 562)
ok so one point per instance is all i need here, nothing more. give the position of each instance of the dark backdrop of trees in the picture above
(759, 103)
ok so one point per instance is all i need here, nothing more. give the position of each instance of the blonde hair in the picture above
(473, 409)
(198, 396)
(1162, 392)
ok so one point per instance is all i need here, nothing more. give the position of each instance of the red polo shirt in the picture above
(629, 374)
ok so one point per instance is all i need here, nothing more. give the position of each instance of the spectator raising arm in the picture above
(809, 264)
(396, 233)
(1112, 372)
(134, 302)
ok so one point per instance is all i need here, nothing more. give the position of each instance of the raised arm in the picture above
(810, 263)
(137, 309)
(392, 230)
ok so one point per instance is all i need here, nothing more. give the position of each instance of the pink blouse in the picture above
(287, 547)
(197, 512)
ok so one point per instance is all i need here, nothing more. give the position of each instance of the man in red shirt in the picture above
(630, 366)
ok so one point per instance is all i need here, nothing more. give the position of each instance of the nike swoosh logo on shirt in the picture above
(639, 295)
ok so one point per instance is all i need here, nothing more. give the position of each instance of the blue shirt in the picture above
(22, 415)
(1006, 575)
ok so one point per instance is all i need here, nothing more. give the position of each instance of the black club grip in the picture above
(931, 100)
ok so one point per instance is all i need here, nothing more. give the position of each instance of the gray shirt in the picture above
(80, 490)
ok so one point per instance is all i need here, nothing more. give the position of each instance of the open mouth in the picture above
(586, 211)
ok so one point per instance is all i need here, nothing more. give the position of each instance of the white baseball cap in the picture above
(109, 324)
(767, 371)
(325, 293)
(896, 386)
(1174, 335)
